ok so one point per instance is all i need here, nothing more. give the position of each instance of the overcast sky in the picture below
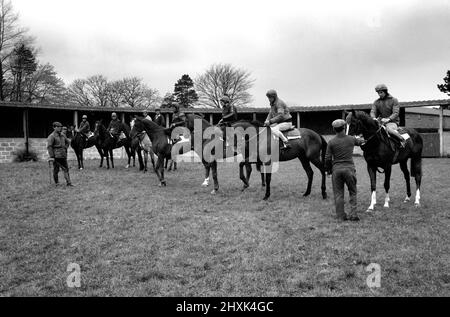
(312, 52)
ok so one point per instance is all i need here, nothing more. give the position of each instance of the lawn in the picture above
(133, 238)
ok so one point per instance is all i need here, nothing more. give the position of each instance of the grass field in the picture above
(133, 238)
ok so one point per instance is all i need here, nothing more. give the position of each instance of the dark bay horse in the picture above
(107, 144)
(379, 153)
(79, 143)
(210, 165)
(160, 144)
(310, 147)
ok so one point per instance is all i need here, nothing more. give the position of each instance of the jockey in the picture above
(115, 126)
(388, 109)
(179, 116)
(279, 118)
(84, 127)
(229, 112)
(146, 115)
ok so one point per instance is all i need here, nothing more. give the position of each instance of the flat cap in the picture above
(338, 123)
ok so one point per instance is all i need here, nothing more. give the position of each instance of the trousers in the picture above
(279, 127)
(342, 177)
(61, 163)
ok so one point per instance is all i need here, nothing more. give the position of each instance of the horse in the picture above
(107, 143)
(78, 144)
(160, 144)
(379, 153)
(140, 141)
(308, 147)
(210, 165)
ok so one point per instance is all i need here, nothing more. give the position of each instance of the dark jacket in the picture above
(57, 145)
(160, 120)
(115, 127)
(340, 152)
(279, 112)
(229, 113)
(386, 108)
(84, 128)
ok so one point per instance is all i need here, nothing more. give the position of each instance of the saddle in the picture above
(393, 142)
(292, 134)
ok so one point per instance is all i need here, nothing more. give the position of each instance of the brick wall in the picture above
(39, 146)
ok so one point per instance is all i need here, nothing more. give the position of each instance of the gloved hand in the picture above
(267, 123)
(51, 159)
(385, 120)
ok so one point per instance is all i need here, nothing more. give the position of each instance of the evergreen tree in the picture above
(445, 88)
(184, 91)
(23, 65)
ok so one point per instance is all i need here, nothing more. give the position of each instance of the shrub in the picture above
(22, 156)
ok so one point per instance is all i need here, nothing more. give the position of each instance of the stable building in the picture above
(28, 125)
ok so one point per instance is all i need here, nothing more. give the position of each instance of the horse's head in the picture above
(99, 128)
(360, 122)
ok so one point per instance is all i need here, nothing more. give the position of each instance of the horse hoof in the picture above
(163, 184)
(266, 198)
(324, 196)
(80, 168)
(417, 205)
(306, 194)
(407, 199)
(369, 211)
(214, 192)
(205, 184)
(386, 206)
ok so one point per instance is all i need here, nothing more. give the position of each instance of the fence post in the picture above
(298, 120)
(75, 118)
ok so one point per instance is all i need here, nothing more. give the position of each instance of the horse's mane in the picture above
(365, 118)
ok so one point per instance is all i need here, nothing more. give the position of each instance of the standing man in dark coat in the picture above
(57, 145)
(159, 119)
(339, 160)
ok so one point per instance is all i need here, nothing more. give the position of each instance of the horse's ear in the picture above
(353, 112)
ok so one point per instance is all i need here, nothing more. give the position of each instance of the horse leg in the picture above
(309, 173)
(152, 157)
(242, 176)
(416, 171)
(160, 170)
(145, 161)
(100, 152)
(81, 159)
(387, 185)
(373, 187)
(268, 179)
(207, 169)
(318, 163)
(215, 178)
(404, 168)
(263, 178)
(174, 165)
(127, 150)
(111, 155)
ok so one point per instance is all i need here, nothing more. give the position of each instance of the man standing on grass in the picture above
(339, 160)
(57, 145)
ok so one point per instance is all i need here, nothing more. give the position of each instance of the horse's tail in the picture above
(323, 149)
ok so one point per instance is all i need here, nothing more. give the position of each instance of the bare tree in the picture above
(10, 34)
(224, 79)
(44, 86)
(136, 94)
(79, 93)
(115, 93)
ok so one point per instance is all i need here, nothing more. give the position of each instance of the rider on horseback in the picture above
(115, 127)
(229, 112)
(388, 109)
(84, 129)
(279, 118)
